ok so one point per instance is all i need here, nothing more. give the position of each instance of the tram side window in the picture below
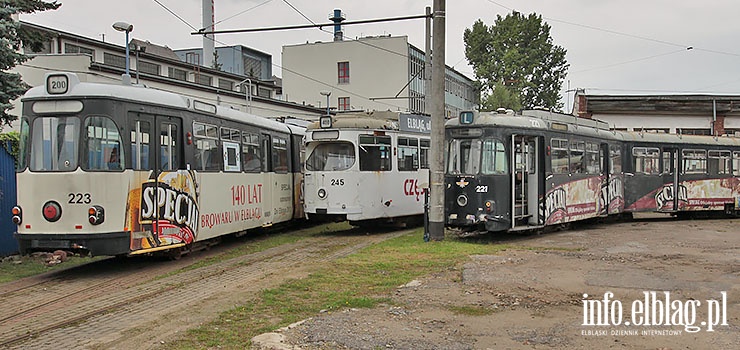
(559, 156)
(140, 145)
(719, 162)
(375, 153)
(280, 155)
(424, 147)
(168, 145)
(230, 141)
(331, 156)
(694, 161)
(207, 154)
(251, 152)
(54, 144)
(104, 151)
(736, 163)
(592, 158)
(408, 154)
(463, 156)
(647, 160)
(23, 152)
(493, 158)
(577, 163)
(615, 159)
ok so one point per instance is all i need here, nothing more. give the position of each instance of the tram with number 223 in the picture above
(367, 167)
(509, 172)
(118, 169)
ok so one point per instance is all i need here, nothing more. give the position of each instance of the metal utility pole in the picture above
(436, 210)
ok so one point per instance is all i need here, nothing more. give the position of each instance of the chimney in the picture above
(337, 18)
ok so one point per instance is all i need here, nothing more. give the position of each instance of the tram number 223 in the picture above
(79, 198)
(337, 182)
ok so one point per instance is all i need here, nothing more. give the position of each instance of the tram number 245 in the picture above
(337, 182)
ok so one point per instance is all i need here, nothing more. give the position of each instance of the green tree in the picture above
(12, 37)
(517, 53)
(501, 96)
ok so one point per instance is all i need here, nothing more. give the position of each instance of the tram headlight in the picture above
(51, 211)
(462, 200)
(17, 215)
(322, 193)
(490, 206)
(96, 215)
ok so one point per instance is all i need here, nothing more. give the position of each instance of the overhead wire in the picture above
(275, 64)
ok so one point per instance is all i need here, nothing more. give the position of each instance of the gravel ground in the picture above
(532, 297)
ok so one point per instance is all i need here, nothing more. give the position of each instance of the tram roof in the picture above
(147, 95)
(650, 137)
(385, 120)
(538, 120)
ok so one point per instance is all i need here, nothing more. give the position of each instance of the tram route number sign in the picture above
(415, 123)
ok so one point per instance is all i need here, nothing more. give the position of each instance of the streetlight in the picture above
(124, 27)
(327, 94)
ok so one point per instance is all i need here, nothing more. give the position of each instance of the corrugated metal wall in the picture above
(8, 244)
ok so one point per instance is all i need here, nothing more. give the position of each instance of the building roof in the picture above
(604, 104)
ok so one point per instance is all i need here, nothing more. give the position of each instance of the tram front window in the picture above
(463, 156)
(331, 156)
(54, 143)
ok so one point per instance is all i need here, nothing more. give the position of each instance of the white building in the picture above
(157, 67)
(372, 73)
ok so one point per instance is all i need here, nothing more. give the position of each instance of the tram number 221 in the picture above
(337, 182)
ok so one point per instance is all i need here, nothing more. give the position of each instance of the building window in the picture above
(696, 131)
(178, 74)
(252, 66)
(72, 48)
(114, 60)
(343, 69)
(203, 79)
(148, 68)
(262, 92)
(224, 84)
(343, 104)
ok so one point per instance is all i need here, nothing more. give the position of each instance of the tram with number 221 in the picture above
(367, 167)
(509, 172)
(118, 169)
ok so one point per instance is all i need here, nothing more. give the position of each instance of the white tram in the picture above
(367, 167)
(116, 169)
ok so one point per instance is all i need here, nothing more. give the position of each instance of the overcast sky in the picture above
(614, 47)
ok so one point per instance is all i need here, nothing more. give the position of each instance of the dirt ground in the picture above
(533, 297)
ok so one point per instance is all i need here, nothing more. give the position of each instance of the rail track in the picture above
(99, 303)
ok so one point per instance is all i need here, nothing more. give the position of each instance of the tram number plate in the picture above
(481, 189)
(337, 182)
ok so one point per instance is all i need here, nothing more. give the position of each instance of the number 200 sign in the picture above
(57, 84)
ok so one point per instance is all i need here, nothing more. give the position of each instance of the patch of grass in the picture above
(361, 280)
(24, 266)
(469, 310)
(263, 243)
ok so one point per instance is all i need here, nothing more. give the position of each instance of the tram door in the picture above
(156, 147)
(670, 172)
(527, 179)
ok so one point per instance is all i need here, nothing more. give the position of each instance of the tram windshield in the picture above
(54, 144)
(331, 156)
(473, 156)
(463, 156)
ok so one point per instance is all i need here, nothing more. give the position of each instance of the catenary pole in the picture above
(436, 210)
